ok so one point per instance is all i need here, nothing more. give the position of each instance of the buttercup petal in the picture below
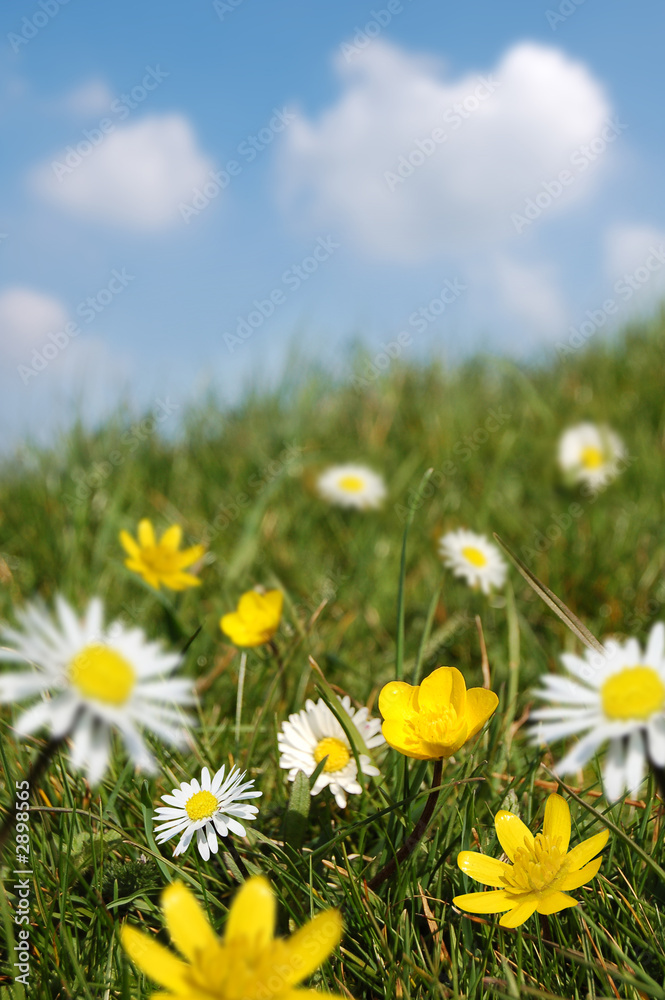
(519, 913)
(582, 875)
(444, 686)
(186, 921)
(495, 901)
(557, 820)
(554, 902)
(129, 544)
(154, 959)
(171, 538)
(480, 704)
(146, 534)
(512, 832)
(482, 868)
(398, 699)
(311, 945)
(584, 852)
(252, 914)
(399, 738)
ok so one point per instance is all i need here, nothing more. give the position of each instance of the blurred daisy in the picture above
(591, 454)
(161, 562)
(542, 869)
(474, 558)
(206, 809)
(256, 618)
(618, 697)
(351, 486)
(249, 961)
(315, 733)
(92, 680)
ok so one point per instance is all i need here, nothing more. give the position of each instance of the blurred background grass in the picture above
(242, 481)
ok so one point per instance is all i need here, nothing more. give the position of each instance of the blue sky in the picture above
(338, 111)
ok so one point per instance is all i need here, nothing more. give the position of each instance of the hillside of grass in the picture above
(242, 482)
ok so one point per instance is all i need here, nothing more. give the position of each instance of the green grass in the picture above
(242, 481)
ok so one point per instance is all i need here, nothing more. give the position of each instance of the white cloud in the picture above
(530, 293)
(92, 97)
(134, 178)
(628, 246)
(635, 263)
(511, 134)
(27, 318)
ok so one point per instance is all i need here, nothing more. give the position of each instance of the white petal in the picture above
(656, 736)
(614, 777)
(635, 762)
(212, 838)
(236, 827)
(655, 646)
(17, 686)
(582, 752)
(185, 841)
(202, 844)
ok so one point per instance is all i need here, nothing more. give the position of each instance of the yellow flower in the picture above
(542, 868)
(248, 962)
(256, 619)
(437, 717)
(160, 561)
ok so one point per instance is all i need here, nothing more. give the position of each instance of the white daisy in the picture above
(206, 809)
(93, 679)
(315, 733)
(352, 486)
(474, 558)
(591, 454)
(620, 697)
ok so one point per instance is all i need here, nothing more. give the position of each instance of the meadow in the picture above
(366, 610)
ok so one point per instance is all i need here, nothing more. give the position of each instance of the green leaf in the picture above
(297, 814)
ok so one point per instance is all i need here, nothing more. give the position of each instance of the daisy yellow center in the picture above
(538, 867)
(351, 484)
(337, 753)
(101, 673)
(592, 458)
(633, 693)
(474, 556)
(202, 805)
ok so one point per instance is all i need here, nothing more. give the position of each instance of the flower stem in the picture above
(409, 844)
(35, 775)
(241, 688)
(659, 775)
